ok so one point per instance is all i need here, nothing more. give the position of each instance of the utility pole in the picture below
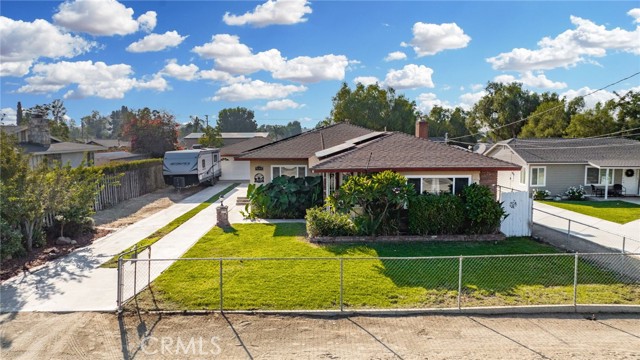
(207, 118)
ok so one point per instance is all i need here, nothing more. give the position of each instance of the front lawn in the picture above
(397, 282)
(617, 211)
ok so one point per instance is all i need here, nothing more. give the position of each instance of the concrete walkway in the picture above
(606, 233)
(77, 283)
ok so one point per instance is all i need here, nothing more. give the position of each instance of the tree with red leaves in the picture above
(151, 132)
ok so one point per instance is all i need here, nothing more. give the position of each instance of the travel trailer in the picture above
(183, 168)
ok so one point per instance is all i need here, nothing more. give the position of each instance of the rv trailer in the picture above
(183, 168)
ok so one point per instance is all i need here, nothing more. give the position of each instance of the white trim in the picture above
(421, 177)
(290, 165)
(544, 179)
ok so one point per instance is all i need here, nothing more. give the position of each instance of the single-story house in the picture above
(36, 141)
(111, 144)
(238, 170)
(555, 164)
(344, 149)
(228, 138)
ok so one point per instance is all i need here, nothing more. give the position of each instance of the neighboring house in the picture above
(102, 158)
(111, 144)
(238, 170)
(344, 149)
(228, 138)
(556, 164)
(36, 141)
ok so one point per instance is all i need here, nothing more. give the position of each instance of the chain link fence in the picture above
(385, 283)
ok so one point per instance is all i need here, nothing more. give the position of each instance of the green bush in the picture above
(483, 214)
(327, 223)
(10, 241)
(431, 214)
(285, 197)
(118, 167)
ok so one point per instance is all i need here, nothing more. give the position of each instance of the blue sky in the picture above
(285, 59)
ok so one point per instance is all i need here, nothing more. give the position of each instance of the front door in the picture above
(631, 181)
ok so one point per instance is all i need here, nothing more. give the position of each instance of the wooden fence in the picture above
(133, 183)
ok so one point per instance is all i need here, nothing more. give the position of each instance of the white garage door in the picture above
(235, 170)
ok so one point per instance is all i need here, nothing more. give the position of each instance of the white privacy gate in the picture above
(519, 207)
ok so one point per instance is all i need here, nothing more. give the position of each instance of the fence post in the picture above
(220, 284)
(575, 283)
(119, 286)
(569, 230)
(135, 271)
(341, 284)
(624, 240)
(459, 282)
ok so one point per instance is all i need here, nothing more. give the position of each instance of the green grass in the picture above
(371, 283)
(162, 232)
(617, 211)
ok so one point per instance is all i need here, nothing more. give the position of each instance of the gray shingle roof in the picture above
(305, 145)
(59, 148)
(402, 152)
(598, 151)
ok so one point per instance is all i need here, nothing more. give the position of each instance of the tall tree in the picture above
(19, 115)
(58, 125)
(278, 132)
(593, 122)
(211, 138)
(237, 119)
(503, 110)
(550, 119)
(197, 125)
(116, 121)
(374, 108)
(95, 126)
(151, 132)
(628, 112)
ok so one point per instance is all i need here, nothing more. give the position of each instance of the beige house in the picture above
(343, 149)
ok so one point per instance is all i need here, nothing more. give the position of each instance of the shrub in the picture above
(285, 197)
(541, 194)
(575, 193)
(483, 213)
(436, 214)
(327, 223)
(10, 241)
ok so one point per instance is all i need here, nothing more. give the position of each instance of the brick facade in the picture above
(489, 178)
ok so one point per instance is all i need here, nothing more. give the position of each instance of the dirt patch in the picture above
(133, 210)
(107, 221)
(234, 336)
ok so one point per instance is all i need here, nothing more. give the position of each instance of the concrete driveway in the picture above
(77, 283)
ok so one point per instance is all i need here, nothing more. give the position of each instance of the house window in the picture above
(597, 176)
(523, 176)
(538, 176)
(439, 184)
(288, 170)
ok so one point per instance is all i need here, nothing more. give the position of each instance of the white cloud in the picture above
(635, 13)
(156, 42)
(312, 69)
(103, 17)
(430, 39)
(182, 72)
(571, 47)
(527, 78)
(232, 56)
(273, 12)
(222, 76)
(477, 87)
(469, 99)
(428, 101)
(396, 55)
(591, 100)
(409, 77)
(366, 80)
(8, 116)
(256, 89)
(91, 79)
(281, 105)
(23, 42)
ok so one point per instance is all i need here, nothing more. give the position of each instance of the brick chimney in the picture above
(39, 130)
(422, 129)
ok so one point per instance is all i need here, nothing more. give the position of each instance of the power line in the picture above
(552, 108)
